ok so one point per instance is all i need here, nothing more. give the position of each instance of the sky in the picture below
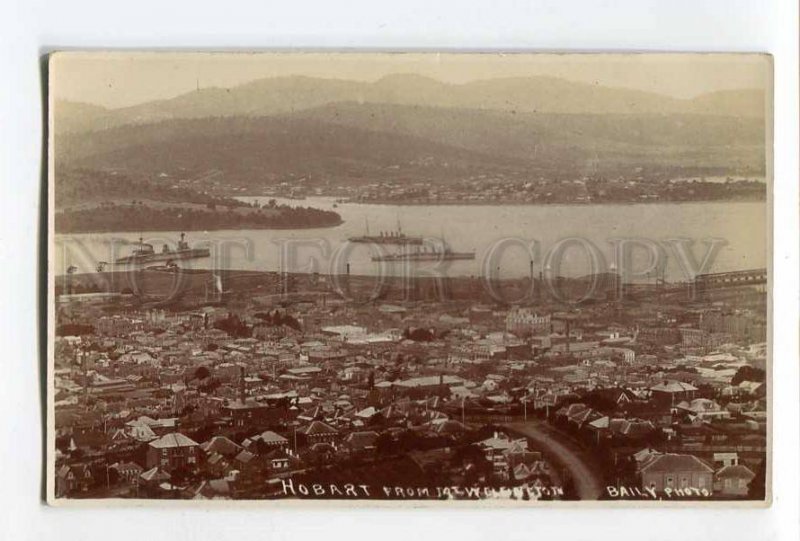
(121, 79)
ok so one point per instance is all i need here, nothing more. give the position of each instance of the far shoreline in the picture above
(195, 230)
(553, 204)
(382, 202)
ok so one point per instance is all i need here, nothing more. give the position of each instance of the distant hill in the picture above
(522, 94)
(568, 140)
(265, 150)
(408, 127)
(351, 142)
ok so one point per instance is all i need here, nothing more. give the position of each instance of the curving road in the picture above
(588, 482)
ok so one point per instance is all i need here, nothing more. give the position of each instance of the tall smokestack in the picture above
(540, 286)
(241, 384)
(85, 368)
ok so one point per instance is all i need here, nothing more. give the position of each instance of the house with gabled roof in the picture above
(73, 478)
(449, 427)
(619, 395)
(154, 477)
(129, 471)
(319, 432)
(503, 451)
(217, 464)
(279, 460)
(753, 388)
(214, 489)
(246, 462)
(570, 410)
(676, 471)
(140, 432)
(599, 428)
(631, 428)
(144, 426)
(673, 392)
(360, 442)
(221, 445)
(246, 412)
(172, 451)
(733, 480)
(702, 409)
(583, 417)
(271, 439)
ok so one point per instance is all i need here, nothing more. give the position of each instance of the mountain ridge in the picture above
(355, 143)
(270, 96)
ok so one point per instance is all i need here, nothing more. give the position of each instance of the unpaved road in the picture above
(588, 482)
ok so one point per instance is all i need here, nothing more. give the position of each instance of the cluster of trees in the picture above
(207, 383)
(77, 287)
(142, 217)
(234, 326)
(423, 335)
(77, 186)
(407, 441)
(276, 318)
(202, 373)
(748, 373)
(74, 329)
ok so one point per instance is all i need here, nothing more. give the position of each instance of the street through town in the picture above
(588, 483)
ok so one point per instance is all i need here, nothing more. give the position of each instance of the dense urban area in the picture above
(265, 386)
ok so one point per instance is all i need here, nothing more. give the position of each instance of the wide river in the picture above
(497, 234)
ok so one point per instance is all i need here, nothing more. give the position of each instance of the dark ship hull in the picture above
(145, 253)
(426, 256)
(192, 253)
(396, 240)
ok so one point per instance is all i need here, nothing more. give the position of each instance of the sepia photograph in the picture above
(409, 278)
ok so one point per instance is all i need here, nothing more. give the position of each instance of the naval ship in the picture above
(445, 254)
(144, 253)
(388, 237)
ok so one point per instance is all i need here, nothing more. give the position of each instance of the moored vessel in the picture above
(144, 253)
(445, 254)
(388, 237)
